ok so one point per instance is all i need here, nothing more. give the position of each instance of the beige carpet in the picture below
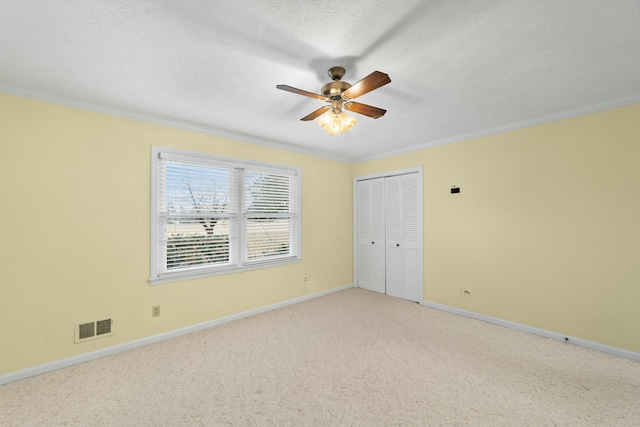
(353, 358)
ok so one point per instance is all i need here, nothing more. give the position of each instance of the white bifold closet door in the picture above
(389, 236)
(402, 260)
(377, 236)
(371, 231)
(363, 231)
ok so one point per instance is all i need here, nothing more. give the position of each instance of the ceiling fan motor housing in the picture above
(335, 89)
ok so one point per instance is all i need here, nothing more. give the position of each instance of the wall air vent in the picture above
(86, 330)
(91, 330)
(103, 327)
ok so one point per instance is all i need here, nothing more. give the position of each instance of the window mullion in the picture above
(241, 221)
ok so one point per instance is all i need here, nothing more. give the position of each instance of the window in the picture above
(213, 215)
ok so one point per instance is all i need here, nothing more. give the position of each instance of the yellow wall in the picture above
(546, 229)
(75, 247)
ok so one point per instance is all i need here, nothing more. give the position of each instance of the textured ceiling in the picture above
(459, 68)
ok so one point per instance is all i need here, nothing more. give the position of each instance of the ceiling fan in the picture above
(341, 95)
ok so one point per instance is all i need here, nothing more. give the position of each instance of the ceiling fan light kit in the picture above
(332, 118)
(336, 123)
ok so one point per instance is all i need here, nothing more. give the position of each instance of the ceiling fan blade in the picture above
(302, 92)
(367, 110)
(320, 111)
(366, 85)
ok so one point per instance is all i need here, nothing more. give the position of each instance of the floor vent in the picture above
(91, 330)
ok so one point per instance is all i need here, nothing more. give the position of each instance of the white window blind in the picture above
(269, 214)
(214, 215)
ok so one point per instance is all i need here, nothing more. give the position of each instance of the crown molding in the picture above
(562, 115)
(193, 127)
(164, 121)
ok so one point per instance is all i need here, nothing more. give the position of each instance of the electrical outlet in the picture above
(155, 311)
(468, 292)
(305, 279)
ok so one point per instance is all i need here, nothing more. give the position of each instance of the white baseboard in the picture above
(75, 360)
(537, 331)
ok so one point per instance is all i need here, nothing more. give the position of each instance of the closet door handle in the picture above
(398, 244)
(373, 243)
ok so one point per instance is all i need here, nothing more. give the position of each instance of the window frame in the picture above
(238, 260)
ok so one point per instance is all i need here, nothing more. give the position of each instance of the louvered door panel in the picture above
(393, 209)
(378, 235)
(411, 239)
(364, 234)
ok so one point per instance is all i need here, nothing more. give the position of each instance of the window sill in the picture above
(199, 274)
